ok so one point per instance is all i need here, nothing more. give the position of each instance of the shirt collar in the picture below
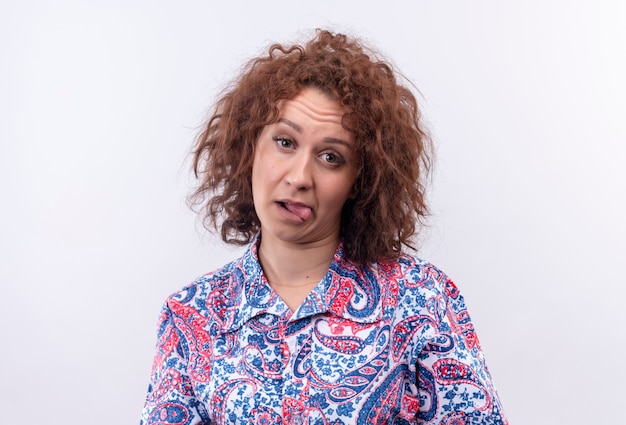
(347, 290)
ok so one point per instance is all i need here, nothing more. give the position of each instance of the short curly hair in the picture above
(393, 150)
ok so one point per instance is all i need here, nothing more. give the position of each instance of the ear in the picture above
(353, 193)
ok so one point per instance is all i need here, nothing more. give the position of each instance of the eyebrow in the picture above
(326, 139)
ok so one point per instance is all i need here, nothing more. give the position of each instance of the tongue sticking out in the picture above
(301, 211)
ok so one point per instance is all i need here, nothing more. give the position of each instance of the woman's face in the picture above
(303, 170)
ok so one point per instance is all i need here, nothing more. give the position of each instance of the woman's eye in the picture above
(283, 142)
(332, 158)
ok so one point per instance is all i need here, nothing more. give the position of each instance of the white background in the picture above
(100, 102)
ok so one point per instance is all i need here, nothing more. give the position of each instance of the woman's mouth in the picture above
(299, 210)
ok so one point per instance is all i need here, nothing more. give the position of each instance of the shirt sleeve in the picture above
(454, 384)
(171, 399)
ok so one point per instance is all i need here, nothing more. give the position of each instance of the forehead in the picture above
(313, 104)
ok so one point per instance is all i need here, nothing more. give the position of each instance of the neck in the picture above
(295, 265)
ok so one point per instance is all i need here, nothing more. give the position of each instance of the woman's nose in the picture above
(300, 173)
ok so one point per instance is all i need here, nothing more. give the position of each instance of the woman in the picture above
(316, 159)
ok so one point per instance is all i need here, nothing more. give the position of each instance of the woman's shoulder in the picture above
(216, 283)
(414, 271)
(418, 282)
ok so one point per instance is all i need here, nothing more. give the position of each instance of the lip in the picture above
(289, 213)
(292, 202)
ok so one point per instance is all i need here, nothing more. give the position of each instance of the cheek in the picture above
(263, 177)
(342, 191)
(256, 180)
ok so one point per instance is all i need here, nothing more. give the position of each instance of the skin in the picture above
(302, 175)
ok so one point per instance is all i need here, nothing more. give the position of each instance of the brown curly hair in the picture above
(393, 150)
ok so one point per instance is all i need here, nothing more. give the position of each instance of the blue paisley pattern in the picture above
(388, 344)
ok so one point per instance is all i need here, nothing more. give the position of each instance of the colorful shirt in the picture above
(391, 343)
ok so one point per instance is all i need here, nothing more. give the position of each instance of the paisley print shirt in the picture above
(388, 344)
